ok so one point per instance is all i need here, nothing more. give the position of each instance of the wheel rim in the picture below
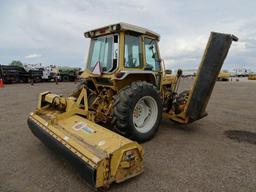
(145, 114)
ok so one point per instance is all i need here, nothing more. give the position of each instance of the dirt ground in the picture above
(191, 158)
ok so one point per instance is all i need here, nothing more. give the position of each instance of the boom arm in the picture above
(215, 53)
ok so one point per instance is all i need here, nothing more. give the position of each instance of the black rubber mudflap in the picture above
(84, 169)
(212, 61)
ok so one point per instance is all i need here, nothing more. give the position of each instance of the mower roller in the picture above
(126, 88)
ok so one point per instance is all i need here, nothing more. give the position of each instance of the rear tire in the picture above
(137, 111)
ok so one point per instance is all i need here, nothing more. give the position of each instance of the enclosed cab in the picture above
(124, 61)
(124, 53)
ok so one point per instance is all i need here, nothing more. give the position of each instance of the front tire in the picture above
(137, 111)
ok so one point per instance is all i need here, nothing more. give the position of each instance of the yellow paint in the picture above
(86, 142)
(252, 76)
(224, 76)
(73, 120)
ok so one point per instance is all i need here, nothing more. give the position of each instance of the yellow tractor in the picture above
(125, 88)
(224, 76)
(252, 76)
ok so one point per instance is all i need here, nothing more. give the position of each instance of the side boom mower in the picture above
(126, 87)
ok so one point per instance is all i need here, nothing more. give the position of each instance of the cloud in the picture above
(55, 28)
(32, 56)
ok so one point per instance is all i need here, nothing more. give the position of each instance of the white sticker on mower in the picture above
(102, 142)
(66, 138)
(83, 126)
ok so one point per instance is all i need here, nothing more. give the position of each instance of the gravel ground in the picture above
(195, 157)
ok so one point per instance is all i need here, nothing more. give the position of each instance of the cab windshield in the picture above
(105, 51)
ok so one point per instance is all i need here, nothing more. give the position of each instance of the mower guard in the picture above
(101, 156)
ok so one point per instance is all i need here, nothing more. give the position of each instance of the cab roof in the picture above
(120, 27)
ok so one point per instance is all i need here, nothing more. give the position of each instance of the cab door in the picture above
(152, 59)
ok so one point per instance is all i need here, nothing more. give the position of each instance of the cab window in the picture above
(105, 50)
(152, 58)
(132, 52)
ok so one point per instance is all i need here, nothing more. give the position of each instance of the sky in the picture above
(51, 31)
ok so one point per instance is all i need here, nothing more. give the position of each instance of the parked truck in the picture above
(13, 74)
(68, 73)
(37, 73)
(42, 73)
